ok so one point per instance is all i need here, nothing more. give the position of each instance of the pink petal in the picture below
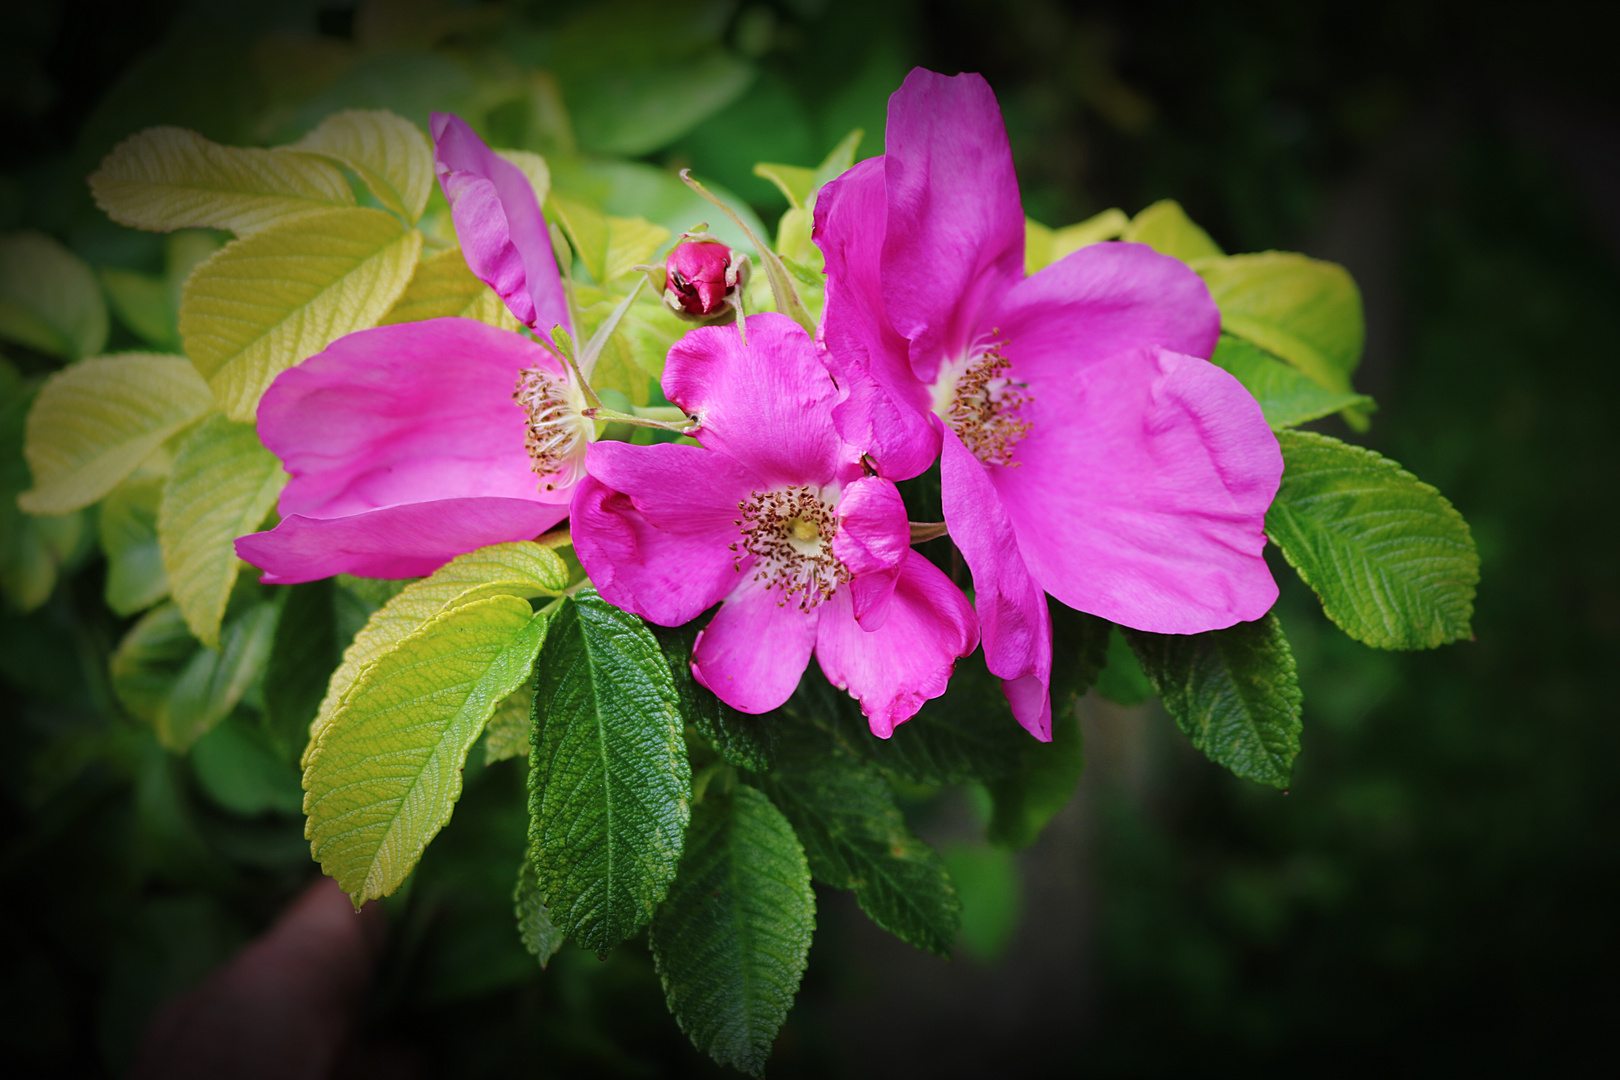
(401, 414)
(909, 660)
(1142, 493)
(1098, 302)
(883, 409)
(873, 540)
(955, 226)
(499, 224)
(411, 540)
(1013, 617)
(768, 404)
(754, 650)
(669, 575)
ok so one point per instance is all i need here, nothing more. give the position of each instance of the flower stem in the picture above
(923, 531)
(640, 418)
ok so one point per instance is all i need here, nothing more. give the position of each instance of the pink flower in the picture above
(499, 224)
(701, 277)
(411, 444)
(774, 518)
(1087, 448)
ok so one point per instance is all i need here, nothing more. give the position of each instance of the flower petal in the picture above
(767, 404)
(411, 540)
(883, 409)
(755, 648)
(1142, 493)
(893, 670)
(1013, 616)
(873, 540)
(670, 576)
(955, 228)
(400, 414)
(1098, 302)
(499, 224)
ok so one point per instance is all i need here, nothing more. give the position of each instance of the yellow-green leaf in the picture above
(587, 231)
(443, 286)
(96, 421)
(631, 241)
(1306, 311)
(49, 299)
(534, 168)
(388, 152)
(1166, 228)
(268, 302)
(507, 733)
(521, 569)
(794, 181)
(170, 178)
(385, 776)
(223, 484)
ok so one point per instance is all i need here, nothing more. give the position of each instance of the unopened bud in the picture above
(703, 278)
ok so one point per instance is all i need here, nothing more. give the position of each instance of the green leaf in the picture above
(238, 767)
(522, 569)
(1166, 228)
(856, 838)
(443, 287)
(968, 734)
(1122, 680)
(1303, 310)
(794, 181)
(31, 548)
(1392, 561)
(748, 742)
(163, 675)
(1233, 691)
(631, 241)
(540, 936)
(987, 881)
(1023, 802)
(388, 152)
(96, 421)
(1044, 246)
(609, 783)
(587, 230)
(1286, 395)
(49, 298)
(732, 941)
(223, 484)
(1079, 653)
(168, 178)
(510, 731)
(630, 110)
(838, 160)
(267, 302)
(143, 303)
(128, 522)
(384, 776)
(317, 619)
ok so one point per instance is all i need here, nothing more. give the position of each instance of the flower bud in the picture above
(703, 278)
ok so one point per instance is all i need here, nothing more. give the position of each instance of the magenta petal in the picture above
(1013, 617)
(754, 650)
(1098, 302)
(767, 404)
(909, 660)
(412, 540)
(1146, 503)
(499, 224)
(883, 409)
(873, 540)
(955, 227)
(400, 414)
(669, 577)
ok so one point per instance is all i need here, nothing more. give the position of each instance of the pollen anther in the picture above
(789, 532)
(984, 408)
(557, 429)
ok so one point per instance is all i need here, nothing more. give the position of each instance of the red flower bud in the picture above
(702, 276)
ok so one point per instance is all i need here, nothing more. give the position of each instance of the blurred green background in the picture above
(1436, 891)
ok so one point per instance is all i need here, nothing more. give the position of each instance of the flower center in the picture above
(982, 405)
(790, 532)
(558, 431)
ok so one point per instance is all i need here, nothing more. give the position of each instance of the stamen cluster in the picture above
(984, 409)
(790, 533)
(557, 429)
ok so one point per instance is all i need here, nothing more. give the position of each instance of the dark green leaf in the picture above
(128, 526)
(1079, 653)
(303, 656)
(237, 765)
(609, 783)
(968, 734)
(987, 880)
(1121, 680)
(856, 838)
(1029, 798)
(1392, 561)
(732, 940)
(745, 741)
(1234, 692)
(540, 936)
